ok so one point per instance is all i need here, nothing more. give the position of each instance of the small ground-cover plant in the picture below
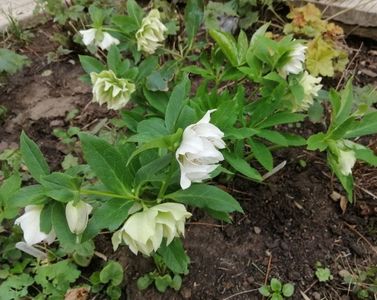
(172, 140)
(276, 290)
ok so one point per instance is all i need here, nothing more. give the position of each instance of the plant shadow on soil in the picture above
(289, 224)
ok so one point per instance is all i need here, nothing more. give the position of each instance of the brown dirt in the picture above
(289, 224)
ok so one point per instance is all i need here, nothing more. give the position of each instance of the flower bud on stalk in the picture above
(77, 215)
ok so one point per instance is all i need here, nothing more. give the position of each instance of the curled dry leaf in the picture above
(81, 293)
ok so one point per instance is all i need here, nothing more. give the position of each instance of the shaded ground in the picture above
(290, 221)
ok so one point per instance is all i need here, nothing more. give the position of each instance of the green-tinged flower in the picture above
(77, 215)
(151, 33)
(311, 88)
(109, 89)
(98, 38)
(144, 231)
(346, 161)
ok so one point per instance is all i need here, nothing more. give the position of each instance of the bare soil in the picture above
(290, 221)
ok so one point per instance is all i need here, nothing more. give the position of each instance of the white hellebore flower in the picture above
(198, 154)
(346, 161)
(311, 88)
(295, 61)
(77, 215)
(109, 89)
(151, 33)
(143, 231)
(29, 223)
(98, 38)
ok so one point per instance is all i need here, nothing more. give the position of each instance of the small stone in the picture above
(56, 123)
(46, 73)
(257, 230)
(186, 293)
(316, 296)
(335, 196)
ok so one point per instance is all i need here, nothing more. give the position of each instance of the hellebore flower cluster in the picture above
(151, 33)
(98, 38)
(30, 225)
(295, 61)
(109, 89)
(144, 231)
(311, 88)
(198, 154)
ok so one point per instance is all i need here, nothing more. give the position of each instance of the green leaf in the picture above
(227, 44)
(365, 154)
(106, 162)
(281, 118)
(144, 282)
(9, 187)
(135, 11)
(264, 291)
(147, 66)
(323, 274)
(90, 64)
(193, 18)
(148, 172)
(288, 290)
(206, 196)
(275, 285)
(15, 287)
(346, 103)
(114, 59)
(11, 62)
(175, 257)
(33, 194)
(110, 215)
(242, 166)
(367, 125)
(242, 47)
(45, 219)
(60, 225)
(33, 157)
(273, 136)
(262, 154)
(158, 100)
(176, 103)
(126, 24)
(169, 142)
(112, 272)
(176, 282)
(61, 187)
(162, 282)
(317, 141)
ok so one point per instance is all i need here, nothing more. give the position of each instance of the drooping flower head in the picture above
(295, 61)
(98, 38)
(111, 90)
(151, 33)
(30, 225)
(77, 215)
(198, 154)
(311, 88)
(346, 161)
(144, 231)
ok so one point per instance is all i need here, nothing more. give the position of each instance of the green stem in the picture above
(107, 194)
(165, 183)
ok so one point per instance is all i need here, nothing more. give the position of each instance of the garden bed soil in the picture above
(290, 221)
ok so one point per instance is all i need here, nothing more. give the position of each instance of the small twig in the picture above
(366, 191)
(362, 237)
(205, 224)
(240, 293)
(268, 270)
(310, 286)
(348, 66)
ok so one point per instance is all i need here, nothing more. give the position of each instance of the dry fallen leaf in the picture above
(81, 293)
(343, 204)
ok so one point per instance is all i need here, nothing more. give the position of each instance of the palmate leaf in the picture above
(11, 62)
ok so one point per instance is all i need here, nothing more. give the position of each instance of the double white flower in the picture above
(346, 161)
(77, 215)
(98, 38)
(30, 225)
(109, 89)
(198, 154)
(311, 88)
(143, 231)
(295, 61)
(151, 33)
